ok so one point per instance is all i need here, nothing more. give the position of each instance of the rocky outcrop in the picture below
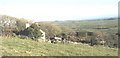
(27, 25)
(7, 22)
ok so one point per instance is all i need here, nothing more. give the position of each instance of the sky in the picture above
(59, 10)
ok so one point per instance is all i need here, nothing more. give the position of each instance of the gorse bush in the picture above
(50, 29)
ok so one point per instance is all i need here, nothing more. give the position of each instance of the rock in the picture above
(40, 40)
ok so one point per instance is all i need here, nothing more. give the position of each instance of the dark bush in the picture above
(32, 32)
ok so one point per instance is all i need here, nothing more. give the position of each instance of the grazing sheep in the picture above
(57, 39)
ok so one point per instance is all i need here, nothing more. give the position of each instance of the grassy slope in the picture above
(24, 47)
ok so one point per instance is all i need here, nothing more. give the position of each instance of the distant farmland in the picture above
(107, 25)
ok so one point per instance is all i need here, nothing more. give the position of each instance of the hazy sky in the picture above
(50, 10)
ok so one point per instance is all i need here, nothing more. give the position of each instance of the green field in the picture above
(13, 46)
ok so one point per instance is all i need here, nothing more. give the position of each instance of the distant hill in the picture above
(106, 25)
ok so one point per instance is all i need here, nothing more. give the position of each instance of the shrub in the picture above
(32, 32)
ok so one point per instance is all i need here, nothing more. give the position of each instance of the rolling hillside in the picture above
(12, 46)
